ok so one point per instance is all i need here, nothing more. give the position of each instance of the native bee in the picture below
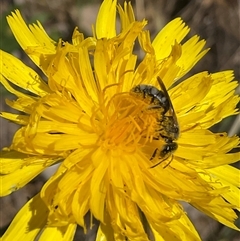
(167, 124)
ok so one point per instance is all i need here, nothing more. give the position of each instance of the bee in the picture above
(167, 124)
(155, 98)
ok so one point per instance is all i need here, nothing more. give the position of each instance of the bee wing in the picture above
(169, 100)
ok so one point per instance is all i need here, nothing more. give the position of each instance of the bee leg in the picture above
(168, 162)
(161, 162)
(157, 152)
(164, 154)
(154, 154)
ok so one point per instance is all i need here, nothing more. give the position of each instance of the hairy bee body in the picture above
(152, 96)
(167, 125)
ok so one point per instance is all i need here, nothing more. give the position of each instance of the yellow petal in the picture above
(87, 118)
(60, 182)
(23, 104)
(49, 143)
(82, 195)
(32, 36)
(197, 138)
(18, 170)
(87, 74)
(169, 69)
(9, 88)
(18, 119)
(10, 161)
(219, 210)
(172, 32)
(228, 173)
(191, 54)
(105, 231)
(225, 176)
(220, 159)
(106, 20)
(28, 222)
(98, 186)
(21, 75)
(180, 229)
(191, 91)
(65, 233)
(126, 15)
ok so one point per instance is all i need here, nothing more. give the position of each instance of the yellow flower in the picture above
(105, 118)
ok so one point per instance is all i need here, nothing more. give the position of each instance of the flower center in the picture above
(123, 121)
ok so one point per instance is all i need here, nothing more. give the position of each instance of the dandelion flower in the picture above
(129, 141)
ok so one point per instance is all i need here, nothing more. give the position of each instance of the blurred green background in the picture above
(216, 21)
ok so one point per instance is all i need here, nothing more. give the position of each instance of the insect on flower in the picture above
(167, 124)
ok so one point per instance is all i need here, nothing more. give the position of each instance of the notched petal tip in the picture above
(30, 36)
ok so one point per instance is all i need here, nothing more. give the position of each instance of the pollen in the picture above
(123, 121)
